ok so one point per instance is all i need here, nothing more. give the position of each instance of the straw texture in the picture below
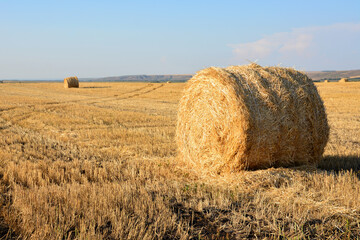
(71, 82)
(250, 117)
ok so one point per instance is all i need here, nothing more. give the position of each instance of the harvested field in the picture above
(100, 162)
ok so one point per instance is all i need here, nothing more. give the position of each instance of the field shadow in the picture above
(205, 224)
(340, 163)
(98, 87)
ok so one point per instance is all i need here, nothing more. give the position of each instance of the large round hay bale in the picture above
(344, 80)
(71, 82)
(326, 81)
(250, 117)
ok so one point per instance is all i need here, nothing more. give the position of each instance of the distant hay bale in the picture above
(71, 82)
(326, 81)
(344, 80)
(168, 82)
(250, 117)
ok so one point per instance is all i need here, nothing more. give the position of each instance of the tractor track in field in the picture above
(115, 96)
(137, 93)
(7, 109)
(56, 104)
(119, 96)
(148, 91)
(53, 105)
(18, 118)
(98, 98)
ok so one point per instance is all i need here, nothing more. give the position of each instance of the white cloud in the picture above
(321, 47)
(297, 43)
(279, 42)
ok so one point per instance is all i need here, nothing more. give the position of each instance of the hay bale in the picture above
(71, 82)
(250, 117)
(344, 80)
(326, 81)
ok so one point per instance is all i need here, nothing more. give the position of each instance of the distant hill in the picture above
(144, 78)
(333, 75)
(315, 75)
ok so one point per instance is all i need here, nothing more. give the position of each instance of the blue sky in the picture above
(55, 39)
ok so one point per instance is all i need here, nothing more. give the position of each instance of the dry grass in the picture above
(110, 172)
(250, 117)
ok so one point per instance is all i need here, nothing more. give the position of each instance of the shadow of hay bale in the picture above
(338, 163)
(341, 163)
(97, 87)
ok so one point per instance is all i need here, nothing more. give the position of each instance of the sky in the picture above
(54, 39)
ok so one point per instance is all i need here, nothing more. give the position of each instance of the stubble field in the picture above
(99, 162)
